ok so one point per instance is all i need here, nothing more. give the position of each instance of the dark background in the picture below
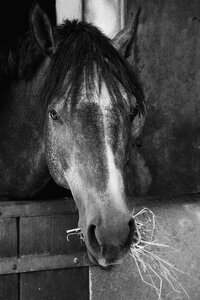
(14, 17)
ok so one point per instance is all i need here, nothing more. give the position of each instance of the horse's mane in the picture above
(8, 63)
(83, 54)
(19, 58)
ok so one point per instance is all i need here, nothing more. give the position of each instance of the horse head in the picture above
(94, 105)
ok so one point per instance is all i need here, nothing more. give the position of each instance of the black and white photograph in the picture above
(100, 150)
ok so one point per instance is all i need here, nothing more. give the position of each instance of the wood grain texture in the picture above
(46, 235)
(8, 238)
(72, 284)
(9, 287)
(32, 239)
(167, 58)
(43, 262)
(37, 208)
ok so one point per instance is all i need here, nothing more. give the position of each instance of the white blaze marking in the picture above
(115, 181)
(115, 185)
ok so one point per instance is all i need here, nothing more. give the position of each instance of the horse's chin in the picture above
(102, 262)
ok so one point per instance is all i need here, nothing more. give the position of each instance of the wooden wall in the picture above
(36, 260)
(38, 263)
(167, 56)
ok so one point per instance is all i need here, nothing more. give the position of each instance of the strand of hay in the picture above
(151, 267)
(75, 231)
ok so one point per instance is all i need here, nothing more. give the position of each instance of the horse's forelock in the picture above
(83, 54)
(83, 57)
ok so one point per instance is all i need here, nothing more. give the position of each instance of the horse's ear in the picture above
(42, 29)
(125, 39)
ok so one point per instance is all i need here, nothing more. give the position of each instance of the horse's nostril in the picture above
(131, 224)
(132, 237)
(92, 238)
(111, 245)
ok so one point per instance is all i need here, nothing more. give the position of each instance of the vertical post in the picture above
(122, 13)
(108, 15)
(68, 9)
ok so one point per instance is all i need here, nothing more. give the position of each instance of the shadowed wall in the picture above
(168, 60)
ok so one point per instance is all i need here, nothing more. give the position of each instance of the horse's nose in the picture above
(110, 241)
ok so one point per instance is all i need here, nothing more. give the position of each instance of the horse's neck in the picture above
(9, 54)
(22, 144)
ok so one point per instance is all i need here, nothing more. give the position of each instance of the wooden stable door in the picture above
(37, 262)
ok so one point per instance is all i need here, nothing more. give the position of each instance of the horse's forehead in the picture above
(102, 114)
(102, 97)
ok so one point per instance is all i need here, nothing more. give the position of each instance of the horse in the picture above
(70, 105)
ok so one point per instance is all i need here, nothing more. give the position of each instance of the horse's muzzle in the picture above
(107, 246)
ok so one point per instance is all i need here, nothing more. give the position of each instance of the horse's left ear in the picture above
(125, 39)
(42, 29)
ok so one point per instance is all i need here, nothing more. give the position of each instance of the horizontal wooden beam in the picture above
(13, 209)
(67, 206)
(42, 263)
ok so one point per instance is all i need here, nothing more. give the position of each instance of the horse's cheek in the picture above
(57, 153)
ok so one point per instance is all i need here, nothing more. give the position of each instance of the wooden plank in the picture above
(9, 287)
(37, 208)
(66, 206)
(72, 284)
(169, 76)
(47, 235)
(37, 235)
(8, 238)
(43, 262)
(8, 249)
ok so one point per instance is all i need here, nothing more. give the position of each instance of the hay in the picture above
(151, 267)
(75, 231)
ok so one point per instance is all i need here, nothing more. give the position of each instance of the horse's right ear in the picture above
(125, 40)
(42, 29)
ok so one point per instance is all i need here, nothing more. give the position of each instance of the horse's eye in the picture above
(54, 115)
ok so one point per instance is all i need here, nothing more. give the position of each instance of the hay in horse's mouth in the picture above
(75, 231)
(101, 263)
(144, 250)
